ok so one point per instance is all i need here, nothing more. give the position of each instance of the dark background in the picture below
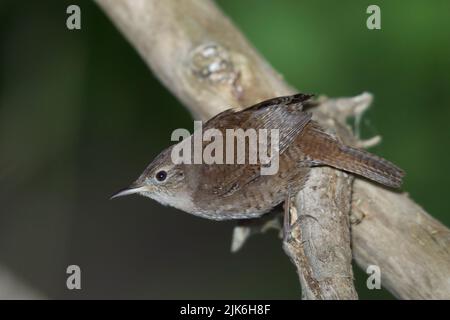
(81, 116)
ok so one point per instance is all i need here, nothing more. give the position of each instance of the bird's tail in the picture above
(324, 149)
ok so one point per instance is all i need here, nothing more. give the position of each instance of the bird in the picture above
(227, 191)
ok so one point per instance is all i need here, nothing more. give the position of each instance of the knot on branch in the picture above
(212, 62)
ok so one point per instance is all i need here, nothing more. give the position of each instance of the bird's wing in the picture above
(282, 113)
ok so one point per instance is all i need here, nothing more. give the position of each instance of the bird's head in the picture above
(164, 182)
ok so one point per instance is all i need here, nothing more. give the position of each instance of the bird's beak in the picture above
(129, 190)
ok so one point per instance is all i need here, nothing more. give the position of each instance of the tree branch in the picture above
(207, 63)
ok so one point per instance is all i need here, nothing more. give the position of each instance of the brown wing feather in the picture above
(282, 113)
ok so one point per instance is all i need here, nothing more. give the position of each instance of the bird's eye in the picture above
(161, 175)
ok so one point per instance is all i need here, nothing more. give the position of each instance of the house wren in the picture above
(239, 191)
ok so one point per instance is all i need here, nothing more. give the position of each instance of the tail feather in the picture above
(370, 166)
(324, 149)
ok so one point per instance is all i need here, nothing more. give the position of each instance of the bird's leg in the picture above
(288, 226)
(287, 219)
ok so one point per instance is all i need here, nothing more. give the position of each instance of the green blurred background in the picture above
(81, 116)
